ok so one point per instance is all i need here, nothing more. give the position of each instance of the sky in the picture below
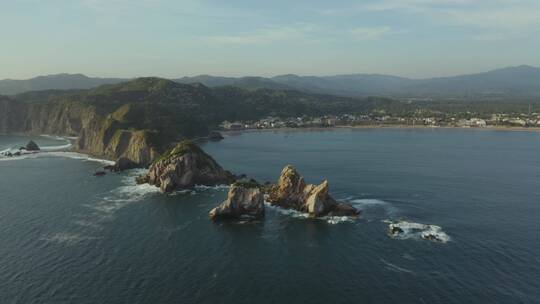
(174, 38)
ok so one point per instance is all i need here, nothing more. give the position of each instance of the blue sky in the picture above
(127, 38)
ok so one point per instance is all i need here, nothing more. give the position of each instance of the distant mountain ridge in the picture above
(54, 82)
(519, 81)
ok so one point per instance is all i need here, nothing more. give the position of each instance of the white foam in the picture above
(57, 148)
(65, 146)
(302, 215)
(396, 268)
(368, 202)
(216, 188)
(417, 231)
(45, 154)
(75, 155)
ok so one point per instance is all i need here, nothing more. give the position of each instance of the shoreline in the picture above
(67, 151)
(404, 127)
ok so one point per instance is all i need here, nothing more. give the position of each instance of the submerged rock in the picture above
(32, 146)
(100, 173)
(215, 135)
(122, 164)
(183, 167)
(245, 200)
(292, 192)
(409, 230)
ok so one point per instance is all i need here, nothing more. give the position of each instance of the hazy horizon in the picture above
(170, 39)
(269, 76)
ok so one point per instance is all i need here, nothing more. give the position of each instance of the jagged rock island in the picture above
(244, 200)
(185, 166)
(292, 192)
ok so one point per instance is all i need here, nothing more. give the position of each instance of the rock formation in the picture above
(245, 200)
(32, 146)
(215, 136)
(121, 164)
(183, 167)
(292, 192)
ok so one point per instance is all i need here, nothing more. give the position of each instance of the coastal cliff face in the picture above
(137, 120)
(98, 134)
(12, 114)
(183, 167)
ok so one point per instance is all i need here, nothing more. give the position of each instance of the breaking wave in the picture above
(373, 206)
(408, 230)
(68, 144)
(302, 215)
(71, 155)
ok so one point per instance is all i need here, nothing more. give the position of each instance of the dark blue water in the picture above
(69, 237)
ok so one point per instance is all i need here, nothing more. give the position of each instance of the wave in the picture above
(302, 215)
(67, 238)
(71, 155)
(376, 208)
(396, 268)
(217, 187)
(368, 202)
(68, 143)
(410, 230)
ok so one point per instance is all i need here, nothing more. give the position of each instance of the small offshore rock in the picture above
(244, 200)
(100, 173)
(215, 136)
(32, 146)
(122, 164)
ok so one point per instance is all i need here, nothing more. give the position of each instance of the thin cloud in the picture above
(505, 18)
(369, 33)
(264, 36)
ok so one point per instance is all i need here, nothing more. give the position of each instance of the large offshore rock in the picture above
(291, 192)
(183, 167)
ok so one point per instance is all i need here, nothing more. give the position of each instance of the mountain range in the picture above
(520, 81)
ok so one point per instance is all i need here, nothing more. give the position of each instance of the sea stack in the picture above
(245, 200)
(185, 166)
(292, 192)
(32, 146)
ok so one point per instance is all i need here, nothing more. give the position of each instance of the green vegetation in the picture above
(185, 146)
(164, 112)
(247, 184)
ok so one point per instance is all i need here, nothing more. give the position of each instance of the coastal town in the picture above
(464, 120)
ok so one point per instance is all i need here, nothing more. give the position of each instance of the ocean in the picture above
(69, 237)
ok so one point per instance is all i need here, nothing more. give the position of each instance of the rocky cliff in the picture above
(185, 166)
(291, 192)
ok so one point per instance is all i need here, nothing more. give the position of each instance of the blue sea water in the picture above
(69, 237)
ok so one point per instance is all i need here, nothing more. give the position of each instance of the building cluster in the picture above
(370, 119)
